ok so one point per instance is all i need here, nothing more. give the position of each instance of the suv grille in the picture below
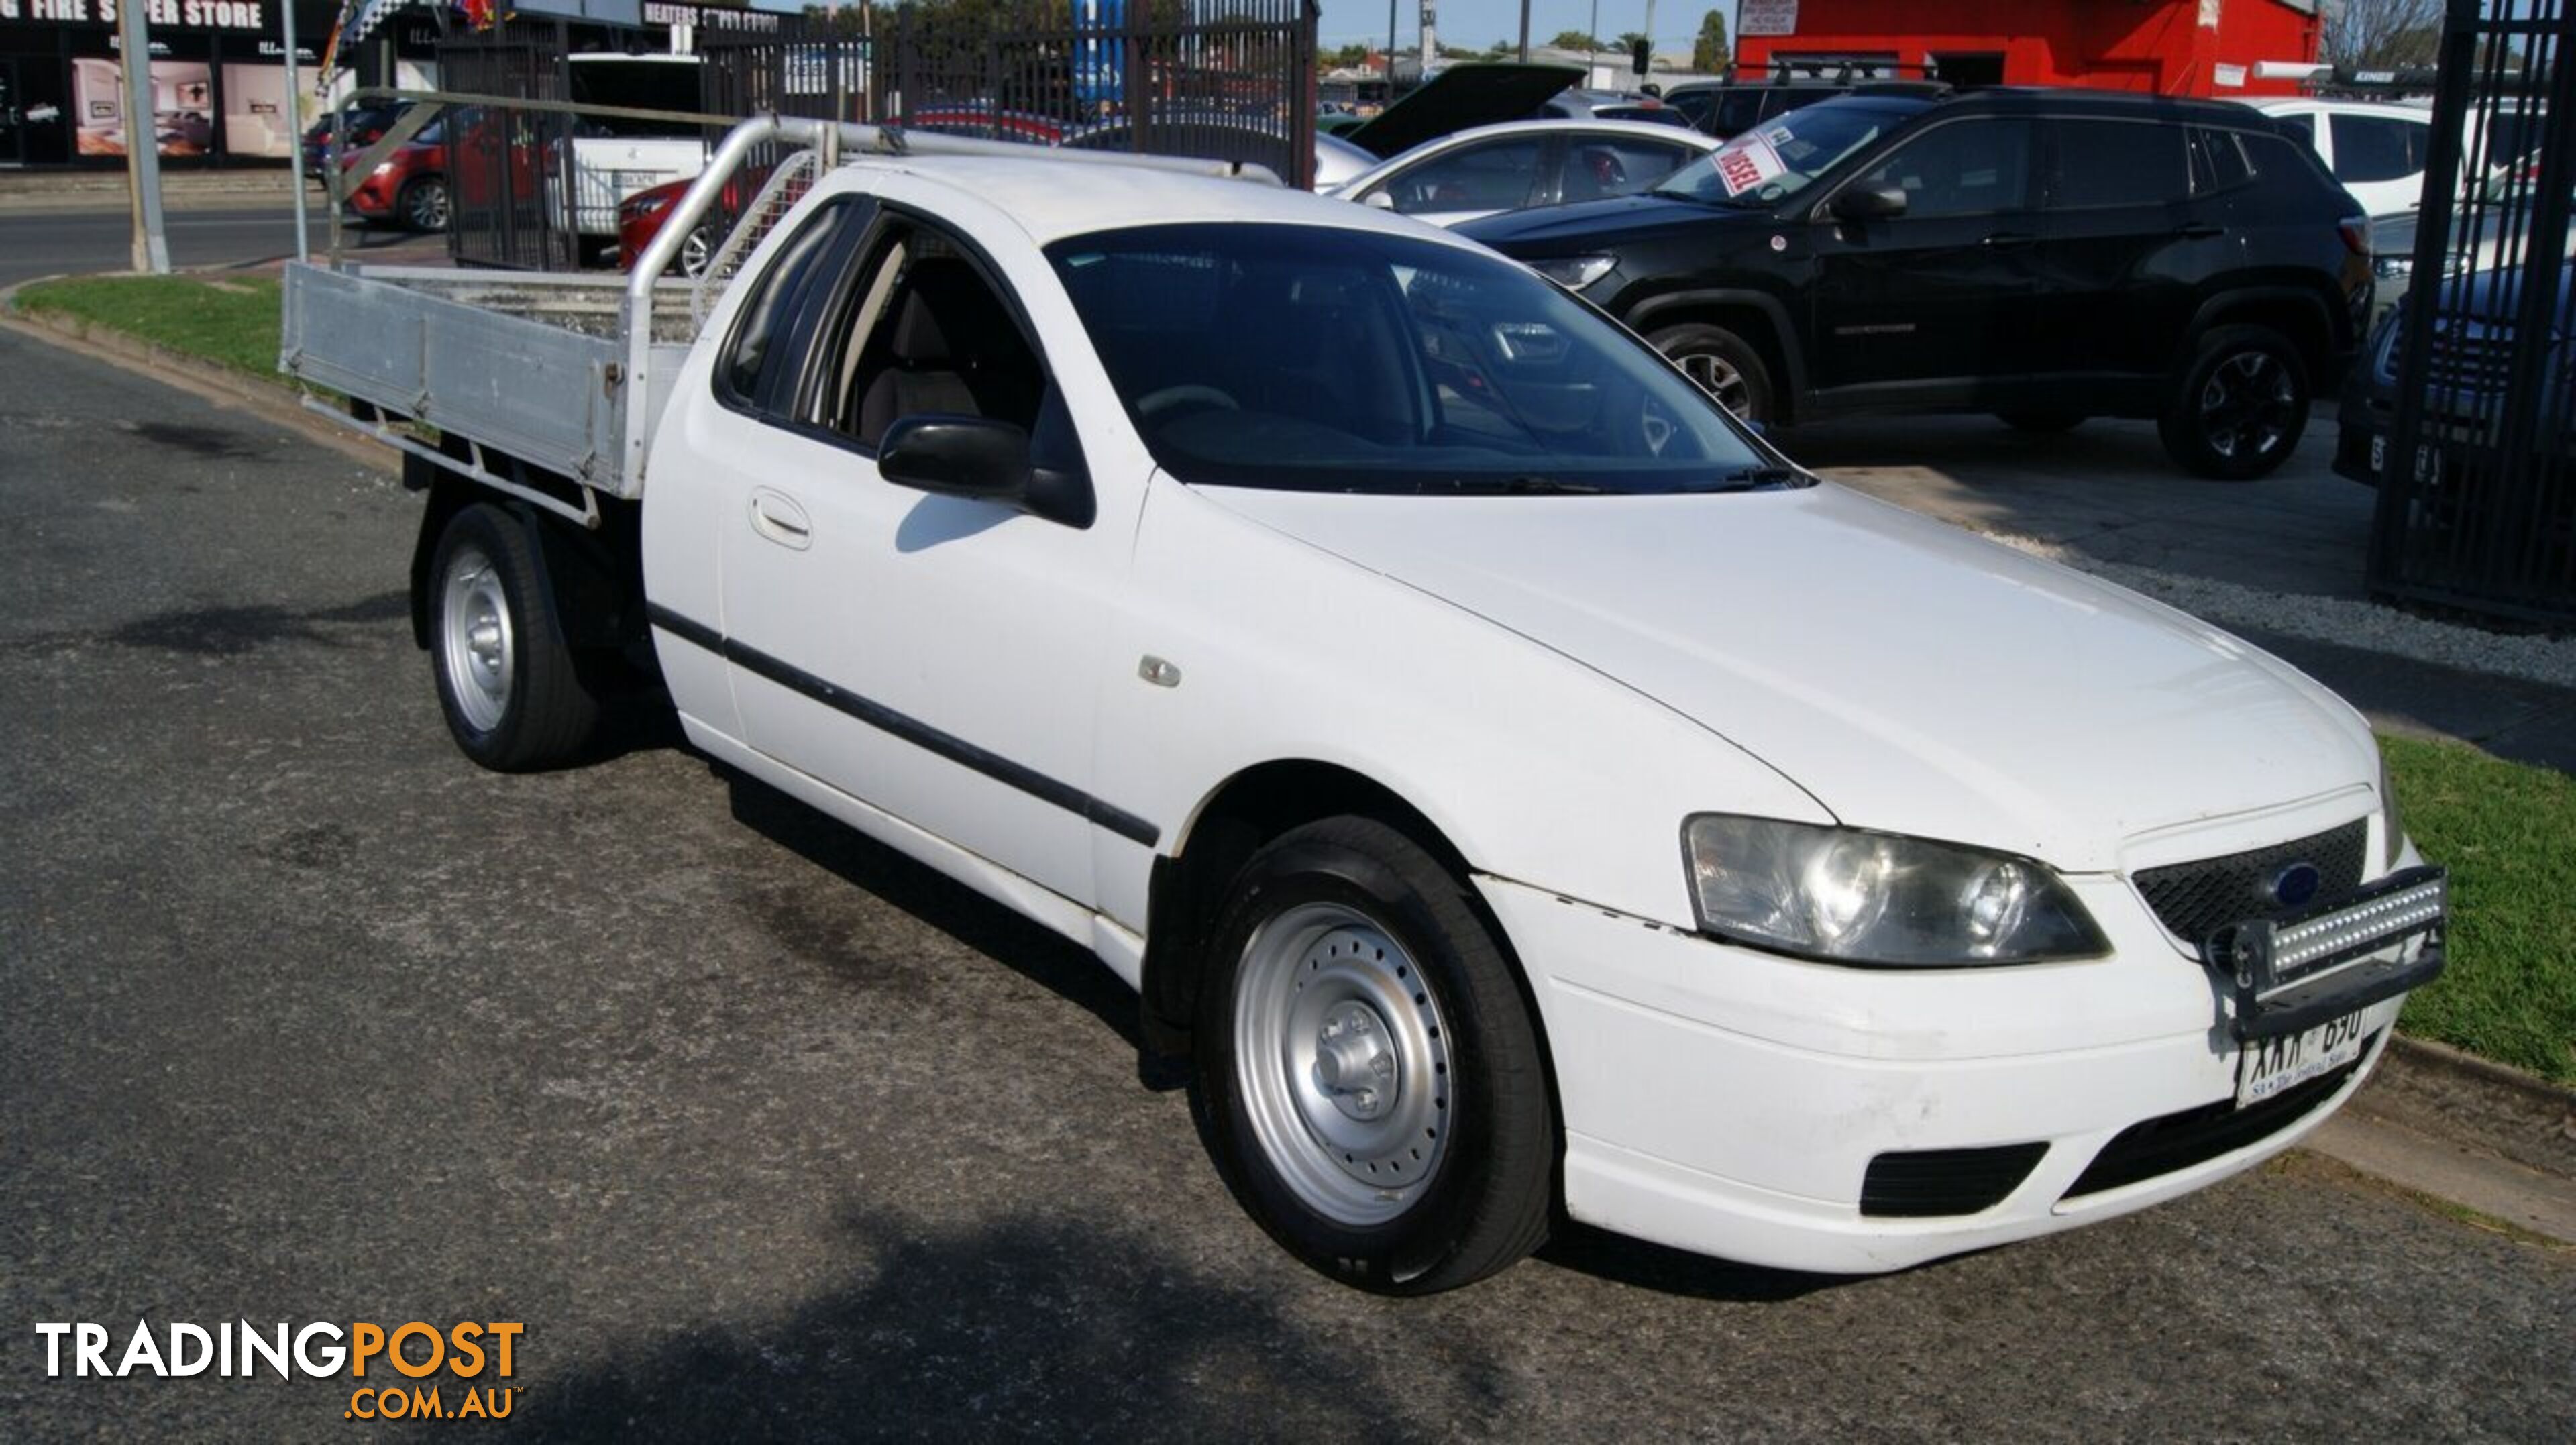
(2195, 900)
(2466, 356)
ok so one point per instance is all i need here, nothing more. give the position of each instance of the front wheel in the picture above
(2239, 405)
(423, 205)
(513, 697)
(1368, 1071)
(1725, 366)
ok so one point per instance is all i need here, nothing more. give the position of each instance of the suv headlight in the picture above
(1574, 272)
(1844, 895)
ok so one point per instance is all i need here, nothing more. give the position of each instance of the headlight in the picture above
(2392, 827)
(2389, 268)
(384, 168)
(1848, 896)
(649, 206)
(1575, 272)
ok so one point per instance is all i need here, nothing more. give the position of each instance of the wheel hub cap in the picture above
(477, 652)
(1342, 1059)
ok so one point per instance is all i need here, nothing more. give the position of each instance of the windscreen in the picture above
(1323, 359)
(1784, 156)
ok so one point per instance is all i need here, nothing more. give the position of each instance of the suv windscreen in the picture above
(1787, 155)
(1384, 364)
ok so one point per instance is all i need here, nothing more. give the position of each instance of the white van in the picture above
(613, 159)
(2376, 150)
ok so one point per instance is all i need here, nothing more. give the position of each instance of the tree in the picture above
(1575, 40)
(1709, 53)
(2377, 34)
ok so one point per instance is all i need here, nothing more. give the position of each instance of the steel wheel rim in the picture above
(476, 645)
(429, 206)
(2245, 408)
(1342, 1060)
(1718, 377)
(695, 252)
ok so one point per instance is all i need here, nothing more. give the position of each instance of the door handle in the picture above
(775, 516)
(2199, 231)
(2001, 239)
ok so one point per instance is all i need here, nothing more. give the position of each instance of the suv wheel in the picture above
(1723, 365)
(2238, 408)
(423, 205)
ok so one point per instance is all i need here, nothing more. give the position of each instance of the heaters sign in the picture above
(411, 1371)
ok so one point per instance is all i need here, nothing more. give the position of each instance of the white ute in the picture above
(1508, 783)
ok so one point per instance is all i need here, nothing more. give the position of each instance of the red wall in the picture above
(2153, 45)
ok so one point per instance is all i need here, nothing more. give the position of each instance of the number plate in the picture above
(2428, 462)
(2272, 1065)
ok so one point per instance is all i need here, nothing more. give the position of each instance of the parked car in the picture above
(2467, 364)
(2043, 255)
(1514, 790)
(1628, 105)
(2503, 233)
(409, 187)
(1524, 163)
(612, 159)
(1338, 160)
(358, 127)
(1729, 108)
(1462, 97)
(2376, 150)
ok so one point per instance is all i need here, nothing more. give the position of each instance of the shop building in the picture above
(2220, 48)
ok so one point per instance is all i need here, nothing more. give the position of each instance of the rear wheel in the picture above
(1724, 365)
(423, 204)
(2239, 406)
(513, 699)
(1368, 1071)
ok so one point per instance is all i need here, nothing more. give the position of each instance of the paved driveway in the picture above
(762, 1131)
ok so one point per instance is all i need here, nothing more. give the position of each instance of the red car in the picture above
(409, 188)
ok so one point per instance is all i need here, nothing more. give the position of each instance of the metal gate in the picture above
(503, 193)
(2477, 486)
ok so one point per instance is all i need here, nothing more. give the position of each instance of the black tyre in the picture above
(2042, 422)
(1724, 364)
(423, 204)
(506, 681)
(2239, 406)
(1367, 1067)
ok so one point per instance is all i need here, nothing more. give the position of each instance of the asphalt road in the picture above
(761, 1131)
(72, 241)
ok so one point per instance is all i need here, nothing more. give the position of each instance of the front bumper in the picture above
(1799, 1115)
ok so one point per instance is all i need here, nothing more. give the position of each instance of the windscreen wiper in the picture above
(1752, 479)
(1523, 486)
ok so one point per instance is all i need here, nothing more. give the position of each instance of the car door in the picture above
(1924, 303)
(935, 657)
(2125, 245)
(1471, 179)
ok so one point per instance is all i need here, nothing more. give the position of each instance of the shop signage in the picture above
(176, 14)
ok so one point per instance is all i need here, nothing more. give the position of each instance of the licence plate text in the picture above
(2270, 1066)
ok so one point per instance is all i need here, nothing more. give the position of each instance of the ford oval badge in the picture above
(2295, 885)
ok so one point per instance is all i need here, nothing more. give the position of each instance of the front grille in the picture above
(2463, 360)
(2195, 900)
(2195, 1136)
(1921, 1182)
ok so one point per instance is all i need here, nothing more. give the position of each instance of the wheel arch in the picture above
(1187, 888)
(1761, 319)
(2297, 314)
(594, 576)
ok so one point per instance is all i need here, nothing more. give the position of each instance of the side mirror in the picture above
(1869, 203)
(1378, 200)
(983, 459)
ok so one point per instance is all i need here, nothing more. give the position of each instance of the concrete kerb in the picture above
(2428, 1105)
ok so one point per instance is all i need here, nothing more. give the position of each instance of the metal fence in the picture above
(2477, 499)
(504, 206)
(1230, 80)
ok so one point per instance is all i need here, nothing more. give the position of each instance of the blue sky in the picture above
(1478, 23)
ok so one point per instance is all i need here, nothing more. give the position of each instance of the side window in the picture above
(916, 328)
(2116, 163)
(1491, 176)
(1598, 169)
(1968, 168)
(760, 328)
(2374, 148)
(2217, 161)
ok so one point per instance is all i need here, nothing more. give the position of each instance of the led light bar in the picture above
(2358, 929)
(2335, 958)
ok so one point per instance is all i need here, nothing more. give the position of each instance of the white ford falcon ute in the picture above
(1509, 783)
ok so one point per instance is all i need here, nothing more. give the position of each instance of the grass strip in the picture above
(231, 321)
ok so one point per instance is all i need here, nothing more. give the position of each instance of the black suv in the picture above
(2045, 255)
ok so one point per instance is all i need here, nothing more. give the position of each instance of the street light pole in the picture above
(1525, 31)
(295, 134)
(142, 145)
